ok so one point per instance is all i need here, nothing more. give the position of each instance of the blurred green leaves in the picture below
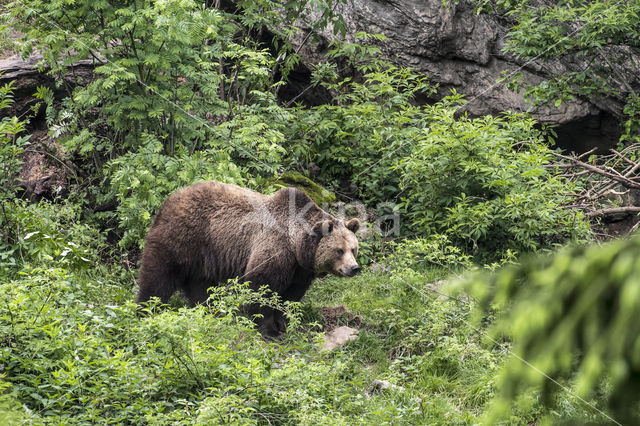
(573, 316)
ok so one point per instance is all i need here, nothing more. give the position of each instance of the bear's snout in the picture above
(351, 271)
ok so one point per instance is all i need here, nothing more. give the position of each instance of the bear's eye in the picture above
(353, 251)
(340, 252)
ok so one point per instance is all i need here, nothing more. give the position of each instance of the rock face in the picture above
(460, 49)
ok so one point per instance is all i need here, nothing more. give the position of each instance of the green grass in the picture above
(417, 339)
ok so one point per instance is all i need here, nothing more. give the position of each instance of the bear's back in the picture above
(206, 199)
(205, 219)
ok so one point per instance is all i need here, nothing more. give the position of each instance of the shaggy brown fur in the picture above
(210, 232)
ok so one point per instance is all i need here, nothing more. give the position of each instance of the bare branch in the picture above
(613, 210)
(615, 176)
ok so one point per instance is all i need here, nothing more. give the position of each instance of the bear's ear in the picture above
(353, 225)
(322, 228)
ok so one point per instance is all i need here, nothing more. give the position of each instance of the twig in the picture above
(586, 154)
(634, 164)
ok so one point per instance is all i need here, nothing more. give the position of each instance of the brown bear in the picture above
(210, 232)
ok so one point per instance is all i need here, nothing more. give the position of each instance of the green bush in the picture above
(418, 253)
(573, 318)
(71, 354)
(372, 121)
(158, 70)
(47, 232)
(140, 181)
(485, 183)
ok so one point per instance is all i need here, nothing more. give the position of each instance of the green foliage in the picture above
(7, 41)
(417, 253)
(573, 317)
(598, 33)
(142, 180)
(11, 146)
(46, 232)
(484, 183)
(171, 69)
(256, 135)
(416, 336)
(71, 353)
(372, 122)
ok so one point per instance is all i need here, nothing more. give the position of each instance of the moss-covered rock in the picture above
(316, 192)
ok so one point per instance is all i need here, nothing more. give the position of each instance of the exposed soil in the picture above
(617, 228)
(45, 170)
(336, 316)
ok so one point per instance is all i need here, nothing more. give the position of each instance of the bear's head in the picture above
(337, 248)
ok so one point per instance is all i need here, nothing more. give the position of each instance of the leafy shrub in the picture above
(140, 181)
(70, 354)
(11, 146)
(187, 75)
(47, 232)
(373, 120)
(573, 318)
(159, 70)
(417, 253)
(484, 183)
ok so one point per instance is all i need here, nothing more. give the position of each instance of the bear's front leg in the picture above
(159, 276)
(273, 269)
(297, 288)
(270, 323)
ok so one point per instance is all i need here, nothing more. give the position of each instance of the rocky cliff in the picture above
(460, 49)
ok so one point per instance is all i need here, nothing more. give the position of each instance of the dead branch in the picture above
(613, 210)
(606, 179)
(625, 159)
(615, 176)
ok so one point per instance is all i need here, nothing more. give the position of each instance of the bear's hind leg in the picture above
(158, 279)
(196, 291)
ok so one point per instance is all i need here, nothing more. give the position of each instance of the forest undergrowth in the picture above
(472, 249)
